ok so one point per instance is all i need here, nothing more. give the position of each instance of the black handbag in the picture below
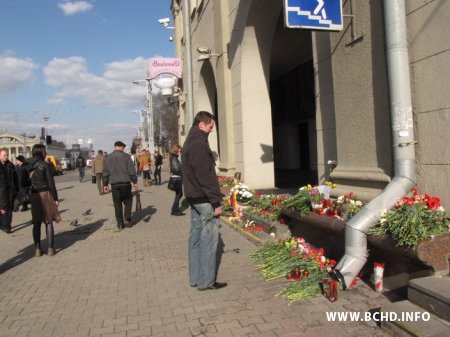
(174, 183)
(94, 179)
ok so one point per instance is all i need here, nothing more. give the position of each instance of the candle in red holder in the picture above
(297, 274)
(289, 276)
(330, 289)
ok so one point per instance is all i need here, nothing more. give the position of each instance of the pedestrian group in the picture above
(31, 181)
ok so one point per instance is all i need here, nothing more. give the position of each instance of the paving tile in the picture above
(135, 283)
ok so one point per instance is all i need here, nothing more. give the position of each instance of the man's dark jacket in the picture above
(198, 167)
(8, 185)
(119, 169)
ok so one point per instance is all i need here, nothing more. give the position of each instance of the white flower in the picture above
(359, 203)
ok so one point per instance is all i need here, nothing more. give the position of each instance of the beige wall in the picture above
(429, 54)
(351, 87)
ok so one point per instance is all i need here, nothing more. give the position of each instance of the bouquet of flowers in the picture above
(243, 194)
(349, 205)
(414, 218)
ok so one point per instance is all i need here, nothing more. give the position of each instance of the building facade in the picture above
(288, 101)
(17, 144)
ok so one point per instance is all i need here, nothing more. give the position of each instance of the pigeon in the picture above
(87, 212)
(74, 223)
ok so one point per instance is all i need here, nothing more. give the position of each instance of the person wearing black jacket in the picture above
(202, 191)
(119, 171)
(158, 166)
(8, 190)
(23, 197)
(44, 198)
(80, 165)
(175, 169)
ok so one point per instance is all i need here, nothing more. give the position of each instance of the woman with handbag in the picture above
(44, 198)
(175, 179)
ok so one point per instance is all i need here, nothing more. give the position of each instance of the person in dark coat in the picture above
(119, 171)
(202, 191)
(9, 188)
(81, 165)
(44, 198)
(24, 185)
(175, 169)
(158, 166)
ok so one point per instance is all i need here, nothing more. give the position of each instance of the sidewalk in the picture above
(135, 282)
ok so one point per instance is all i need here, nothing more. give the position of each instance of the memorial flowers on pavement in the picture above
(298, 262)
(414, 218)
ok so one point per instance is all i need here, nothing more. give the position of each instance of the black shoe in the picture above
(8, 231)
(215, 286)
(177, 213)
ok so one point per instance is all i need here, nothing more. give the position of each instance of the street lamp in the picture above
(149, 110)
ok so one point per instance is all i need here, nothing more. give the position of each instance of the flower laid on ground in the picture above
(296, 260)
(243, 193)
(414, 218)
(225, 181)
(267, 206)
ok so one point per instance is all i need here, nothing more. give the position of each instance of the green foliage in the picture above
(301, 202)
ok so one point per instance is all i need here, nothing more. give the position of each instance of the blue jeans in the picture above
(203, 239)
(176, 201)
(81, 172)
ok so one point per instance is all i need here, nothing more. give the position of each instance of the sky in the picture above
(74, 61)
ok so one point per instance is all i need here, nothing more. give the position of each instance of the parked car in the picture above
(56, 163)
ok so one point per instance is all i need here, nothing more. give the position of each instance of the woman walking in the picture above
(144, 166)
(44, 198)
(175, 169)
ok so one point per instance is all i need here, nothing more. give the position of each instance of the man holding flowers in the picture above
(202, 191)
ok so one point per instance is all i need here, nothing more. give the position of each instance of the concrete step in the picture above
(431, 293)
(406, 319)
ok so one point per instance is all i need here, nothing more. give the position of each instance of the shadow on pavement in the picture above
(66, 188)
(21, 226)
(144, 215)
(62, 241)
(219, 253)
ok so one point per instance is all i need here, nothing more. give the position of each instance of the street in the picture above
(135, 282)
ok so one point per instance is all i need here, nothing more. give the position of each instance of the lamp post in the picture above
(187, 38)
(149, 110)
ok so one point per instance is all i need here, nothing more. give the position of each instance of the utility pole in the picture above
(188, 59)
(45, 118)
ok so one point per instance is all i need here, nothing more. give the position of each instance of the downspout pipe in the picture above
(403, 145)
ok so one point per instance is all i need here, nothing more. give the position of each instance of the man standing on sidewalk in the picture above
(119, 170)
(97, 170)
(202, 191)
(8, 190)
(80, 165)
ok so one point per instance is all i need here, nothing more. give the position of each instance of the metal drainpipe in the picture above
(403, 144)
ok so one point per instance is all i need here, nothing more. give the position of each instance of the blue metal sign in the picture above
(313, 14)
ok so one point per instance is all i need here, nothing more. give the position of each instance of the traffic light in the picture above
(48, 140)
